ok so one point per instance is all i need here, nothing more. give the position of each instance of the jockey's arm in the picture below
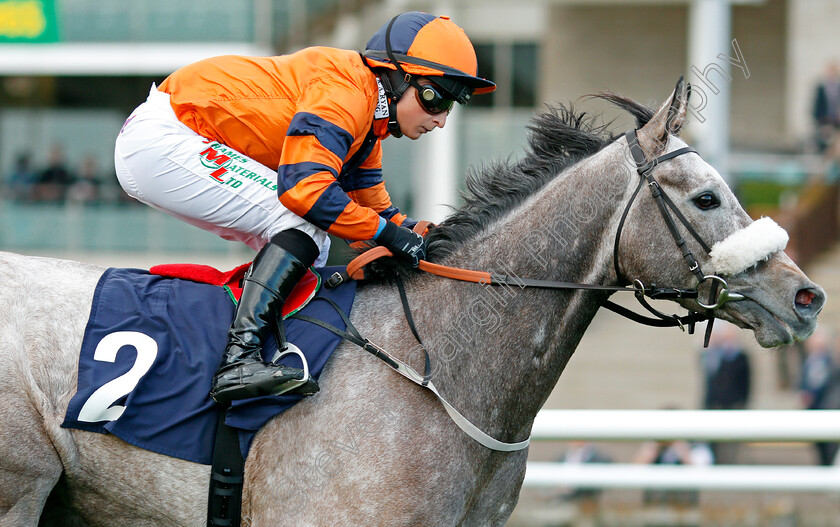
(366, 187)
(331, 116)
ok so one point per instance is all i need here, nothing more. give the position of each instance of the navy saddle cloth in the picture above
(151, 347)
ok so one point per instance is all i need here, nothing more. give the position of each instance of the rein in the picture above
(719, 291)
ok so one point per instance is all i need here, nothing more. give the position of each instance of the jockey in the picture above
(276, 152)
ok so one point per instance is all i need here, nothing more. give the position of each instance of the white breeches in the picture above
(163, 163)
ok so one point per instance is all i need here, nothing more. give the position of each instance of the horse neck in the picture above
(498, 351)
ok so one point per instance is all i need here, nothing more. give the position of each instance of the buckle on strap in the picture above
(336, 279)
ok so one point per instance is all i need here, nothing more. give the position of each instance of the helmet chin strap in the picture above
(400, 75)
(393, 125)
(393, 97)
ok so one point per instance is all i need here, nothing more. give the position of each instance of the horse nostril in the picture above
(804, 297)
(809, 301)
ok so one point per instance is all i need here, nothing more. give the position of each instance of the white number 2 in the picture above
(98, 406)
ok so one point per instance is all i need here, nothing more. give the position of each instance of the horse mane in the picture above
(558, 138)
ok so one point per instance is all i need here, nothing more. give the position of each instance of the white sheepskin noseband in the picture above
(746, 247)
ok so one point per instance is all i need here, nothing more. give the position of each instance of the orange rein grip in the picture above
(464, 275)
(355, 269)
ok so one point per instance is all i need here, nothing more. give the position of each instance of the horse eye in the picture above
(706, 201)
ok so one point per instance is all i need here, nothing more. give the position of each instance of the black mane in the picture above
(558, 138)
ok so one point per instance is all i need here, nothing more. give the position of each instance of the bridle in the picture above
(719, 293)
(645, 171)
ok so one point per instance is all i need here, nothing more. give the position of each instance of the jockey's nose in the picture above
(440, 119)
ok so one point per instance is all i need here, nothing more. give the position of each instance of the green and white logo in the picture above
(230, 168)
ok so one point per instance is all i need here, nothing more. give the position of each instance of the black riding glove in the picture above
(403, 242)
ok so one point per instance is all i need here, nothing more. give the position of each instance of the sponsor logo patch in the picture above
(381, 111)
(230, 168)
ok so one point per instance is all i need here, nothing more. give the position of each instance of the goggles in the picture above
(432, 99)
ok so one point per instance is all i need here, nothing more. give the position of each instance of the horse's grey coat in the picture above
(372, 448)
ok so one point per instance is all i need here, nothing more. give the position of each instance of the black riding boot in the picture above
(275, 271)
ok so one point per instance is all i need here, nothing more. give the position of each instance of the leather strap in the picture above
(618, 274)
(226, 477)
(663, 202)
(427, 367)
(352, 334)
(355, 271)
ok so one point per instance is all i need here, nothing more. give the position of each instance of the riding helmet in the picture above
(425, 45)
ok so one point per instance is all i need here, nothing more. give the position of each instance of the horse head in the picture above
(780, 304)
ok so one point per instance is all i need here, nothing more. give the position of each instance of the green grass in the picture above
(764, 194)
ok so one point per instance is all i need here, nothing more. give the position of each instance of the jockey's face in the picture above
(414, 120)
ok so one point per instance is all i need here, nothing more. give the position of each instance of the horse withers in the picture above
(372, 448)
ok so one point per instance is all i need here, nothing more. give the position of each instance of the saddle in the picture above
(231, 281)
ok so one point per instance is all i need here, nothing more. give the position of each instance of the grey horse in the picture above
(373, 448)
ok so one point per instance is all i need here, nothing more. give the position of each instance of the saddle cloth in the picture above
(149, 352)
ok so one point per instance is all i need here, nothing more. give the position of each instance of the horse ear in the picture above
(669, 119)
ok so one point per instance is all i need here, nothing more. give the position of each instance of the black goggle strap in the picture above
(429, 96)
(645, 169)
(397, 93)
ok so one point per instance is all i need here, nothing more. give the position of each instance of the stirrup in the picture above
(293, 384)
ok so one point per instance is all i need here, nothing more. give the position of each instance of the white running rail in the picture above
(703, 425)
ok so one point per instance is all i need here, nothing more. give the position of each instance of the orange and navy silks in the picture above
(305, 114)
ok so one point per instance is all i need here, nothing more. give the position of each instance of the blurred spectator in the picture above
(673, 453)
(827, 107)
(819, 383)
(580, 452)
(727, 377)
(22, 178)
(86, 188)
(831, 399)
(54, 180)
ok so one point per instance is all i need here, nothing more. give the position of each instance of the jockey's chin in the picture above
(414, 134)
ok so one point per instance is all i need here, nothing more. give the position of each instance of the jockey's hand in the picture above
(403, 242)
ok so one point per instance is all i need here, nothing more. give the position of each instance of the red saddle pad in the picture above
(303, 292)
